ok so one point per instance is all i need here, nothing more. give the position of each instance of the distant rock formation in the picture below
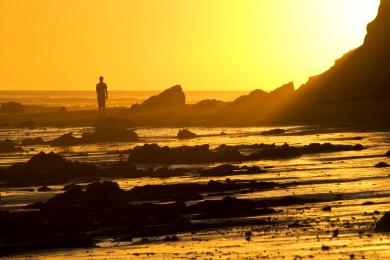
(11, 108)
(186, 134)
(172, 97)
(257, 97)
(257, 107)
(208, 103)
(9, 146)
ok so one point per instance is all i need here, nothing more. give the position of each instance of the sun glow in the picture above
(151, 45)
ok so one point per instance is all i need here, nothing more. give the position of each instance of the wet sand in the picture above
(357, 193)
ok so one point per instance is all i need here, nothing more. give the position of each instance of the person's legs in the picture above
(103, 109)
(101, 106)
(100, 110)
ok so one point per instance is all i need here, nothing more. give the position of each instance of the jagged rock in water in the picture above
(273, 132)
(383, 225)
(208, 103)
(44, 189)
(329, 148)
(11, 108)
(382, 165)
(65, 140)
(33, 141)
(153, 153)
(186, 134)
(172, 97)
(45, 169)
(9, 146)
(108, 129)
(111, 129)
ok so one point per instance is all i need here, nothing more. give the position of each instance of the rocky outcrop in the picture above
(45, 169)
(172, 97)
(33, 141)
(208, 103)
(273, 132)
(186, 134)
(52, 169)
(65, 140)
(153, 153)
(257, 107)
(11, 108)
(9, 146)
(382, 165)
(103, 210)
(108, 129)
(111, 129)
(356, 88)
(383, 225)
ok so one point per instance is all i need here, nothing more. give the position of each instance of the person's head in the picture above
(101, 78)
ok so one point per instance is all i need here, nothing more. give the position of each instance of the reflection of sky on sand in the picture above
(347, 177)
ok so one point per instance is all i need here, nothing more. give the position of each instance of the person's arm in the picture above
(106, 93)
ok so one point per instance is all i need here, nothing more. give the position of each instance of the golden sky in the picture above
(154, 44)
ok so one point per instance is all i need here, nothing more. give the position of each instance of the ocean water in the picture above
(87, 99)
(350, 177)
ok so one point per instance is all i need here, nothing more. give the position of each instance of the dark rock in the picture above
(173, 238)
(383, 225)
(172, 97)
(329, 148)
(281, 152)
(191, 191)
(327, 208)
(62, 110)
(388, 154)
(153, 153)
(47, 169)
(274, 132)
(208, 103)
(72, 186)
(44, 189)
(185, 134)
(9, 146)
(33, 141)
(342, 90)
(108, 129)
(11, 108)
(382, 165)
(66, 140)
(111, 129)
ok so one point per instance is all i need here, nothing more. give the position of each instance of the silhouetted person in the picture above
(102, 95)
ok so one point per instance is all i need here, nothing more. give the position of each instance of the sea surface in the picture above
(87, 99)
(348, 177)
